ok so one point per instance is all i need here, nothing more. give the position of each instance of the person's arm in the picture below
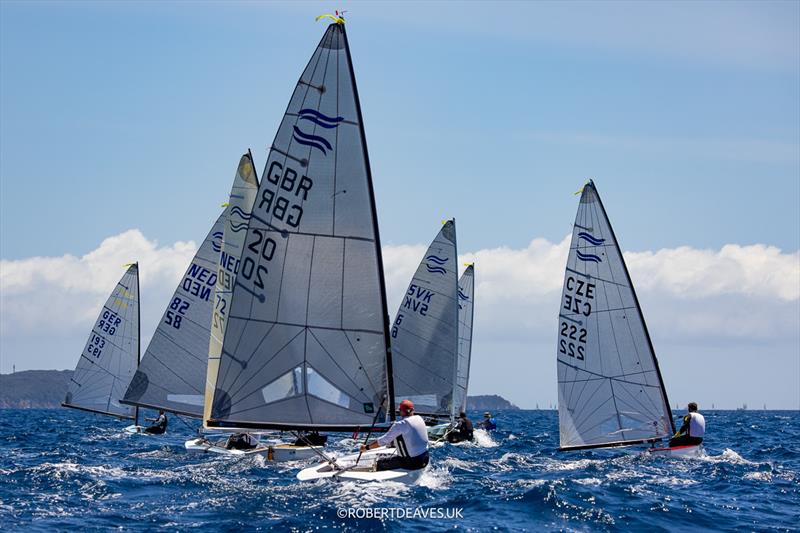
(684, 428)
(395, 431)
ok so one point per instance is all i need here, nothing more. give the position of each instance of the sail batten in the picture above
(610, 388)
(305, 344)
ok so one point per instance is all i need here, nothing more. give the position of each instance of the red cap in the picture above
(406, 405)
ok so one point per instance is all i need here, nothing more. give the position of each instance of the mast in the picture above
(453, 407)
(138, 335)
(382, 281)
(638, 309)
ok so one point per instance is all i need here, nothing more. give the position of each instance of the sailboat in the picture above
(466, 308)
(111, 355)
(610, 389)
(172, 373)
(306, 346)
(425, 333)
(242, 196)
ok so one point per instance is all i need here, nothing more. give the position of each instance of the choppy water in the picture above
(64, 470)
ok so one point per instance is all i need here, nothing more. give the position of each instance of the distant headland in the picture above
(45, 389)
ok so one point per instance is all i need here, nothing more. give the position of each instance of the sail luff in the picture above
(454, 409)
(639, 309)
(138, 337)
(235, 227)
(376, 232)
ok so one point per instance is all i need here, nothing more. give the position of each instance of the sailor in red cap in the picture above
(410, 437)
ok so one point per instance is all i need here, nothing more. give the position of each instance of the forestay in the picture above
(305, 346)
(240, 205)
(425, 330)
(466, 309)
(172, 373)
(109, 359)
(610, 390)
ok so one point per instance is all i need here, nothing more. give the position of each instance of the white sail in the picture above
(425, 330)
(466, 310)
(109, 359)
(240, 205)
(172, 373)
(306, 341)
(610, 390)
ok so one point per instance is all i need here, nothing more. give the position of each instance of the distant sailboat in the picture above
(425, 335)
(111, 355)
(610, 388)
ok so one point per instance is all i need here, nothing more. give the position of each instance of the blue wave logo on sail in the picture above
(320, 119)
(591, 239)
(314, 141)
(236, 228)
(236, 210)
(462, 295)
(216, 241)
(437, 261)
(588, 257)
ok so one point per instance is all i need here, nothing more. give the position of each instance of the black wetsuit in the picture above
(240, 441)
(463, 431)
(311, 439)
(159, 427)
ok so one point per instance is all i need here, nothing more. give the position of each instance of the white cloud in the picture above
(736, 301)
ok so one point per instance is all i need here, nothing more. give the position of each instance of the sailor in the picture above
(160, 424)
(488, 423)
(692, 430)
(409, 436)
(312, 438)
(241, 441)
(462, 430)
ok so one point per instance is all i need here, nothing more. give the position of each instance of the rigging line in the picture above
(316, 449)
(427, 369)
(344, 373)
(233, 393)
(577, 402)
(369, 432)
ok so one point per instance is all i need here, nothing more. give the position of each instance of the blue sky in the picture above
(132, 115)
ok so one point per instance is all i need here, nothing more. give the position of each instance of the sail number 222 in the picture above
(577, 300)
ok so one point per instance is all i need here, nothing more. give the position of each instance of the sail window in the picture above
(288, 385)
(324, 389)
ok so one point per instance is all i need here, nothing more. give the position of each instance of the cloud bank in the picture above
(707, 300)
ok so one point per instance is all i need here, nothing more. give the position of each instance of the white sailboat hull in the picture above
(134, 430)
(678, 451)
(272, 452)
(364, 471)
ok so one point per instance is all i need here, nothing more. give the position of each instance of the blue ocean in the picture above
(66, 470)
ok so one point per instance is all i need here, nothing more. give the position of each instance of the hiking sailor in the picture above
(462, 430)
(409, 436)
(693, 429)
(159, 426)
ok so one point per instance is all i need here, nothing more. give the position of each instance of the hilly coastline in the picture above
(45, 389)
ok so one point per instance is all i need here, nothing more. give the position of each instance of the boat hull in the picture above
(363, 472)
(135, 430)
(272, 452)
(678, 451)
